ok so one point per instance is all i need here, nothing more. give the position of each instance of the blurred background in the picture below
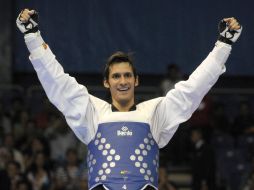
(169, 39)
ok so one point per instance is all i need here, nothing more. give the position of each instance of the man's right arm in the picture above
(71, 98)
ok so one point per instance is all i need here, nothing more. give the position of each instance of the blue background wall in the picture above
(83, 33)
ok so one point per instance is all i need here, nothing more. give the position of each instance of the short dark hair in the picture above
(119, 57)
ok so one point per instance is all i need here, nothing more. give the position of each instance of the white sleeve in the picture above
(180, 102)
(71, 98)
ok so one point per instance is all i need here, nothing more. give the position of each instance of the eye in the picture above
(128, 75)
(116, 76)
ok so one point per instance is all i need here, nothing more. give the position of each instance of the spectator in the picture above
(36, 144)
(203, 163)
(244, 121)
(164, 183)
(83, 185)
(10, 176)
(202, 116)
(67, 176)
(24, 184)
(248, 183)
(60, 138)
(219, 121)
(5, 157)
(44, 117)
(38, 174)
(27, 135)
(17, 105)
(9, 144)
(5, 121)
(173, 76)
(20, 123)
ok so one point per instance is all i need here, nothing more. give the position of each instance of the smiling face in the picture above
(121, 83)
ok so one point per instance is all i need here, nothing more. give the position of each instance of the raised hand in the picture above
(27, 21)
(230, 30)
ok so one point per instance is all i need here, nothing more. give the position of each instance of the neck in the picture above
(123, 106)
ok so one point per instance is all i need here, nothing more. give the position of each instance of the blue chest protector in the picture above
(123, 156)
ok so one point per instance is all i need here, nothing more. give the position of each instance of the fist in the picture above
(230, 30)
(27, 21)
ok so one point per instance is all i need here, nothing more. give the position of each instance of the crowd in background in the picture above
(217, 142)
(38, 151)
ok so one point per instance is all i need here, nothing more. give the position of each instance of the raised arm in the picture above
(71, 98)
(180, 103)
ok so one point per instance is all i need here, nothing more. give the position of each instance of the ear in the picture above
(137, 81)
(106, 84)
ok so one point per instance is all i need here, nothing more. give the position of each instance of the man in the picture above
(123, 138)
(202, 162)
(164, 182)
(10, 176)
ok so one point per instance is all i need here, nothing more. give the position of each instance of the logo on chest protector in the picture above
(124, 132)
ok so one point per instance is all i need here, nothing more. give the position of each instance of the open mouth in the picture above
(123, 89)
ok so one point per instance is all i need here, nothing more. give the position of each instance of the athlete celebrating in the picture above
(124, 138)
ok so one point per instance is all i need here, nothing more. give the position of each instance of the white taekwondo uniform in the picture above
(123, 146)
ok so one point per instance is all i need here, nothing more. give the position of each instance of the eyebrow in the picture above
(123, 73)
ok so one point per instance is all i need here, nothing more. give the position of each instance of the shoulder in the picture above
(98, 103)
(150, 104)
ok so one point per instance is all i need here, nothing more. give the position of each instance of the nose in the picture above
(123, 80)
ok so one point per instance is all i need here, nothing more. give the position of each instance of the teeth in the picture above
(123, 89)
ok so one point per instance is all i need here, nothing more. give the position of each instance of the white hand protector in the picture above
(227, 35)
(30, 26)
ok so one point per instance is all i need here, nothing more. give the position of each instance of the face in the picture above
(23, 187)
(12, 170)
(195, 136)
(121, 83)
(72, 158)
(40, 159)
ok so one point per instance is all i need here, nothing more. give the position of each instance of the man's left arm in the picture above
(180, 103)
